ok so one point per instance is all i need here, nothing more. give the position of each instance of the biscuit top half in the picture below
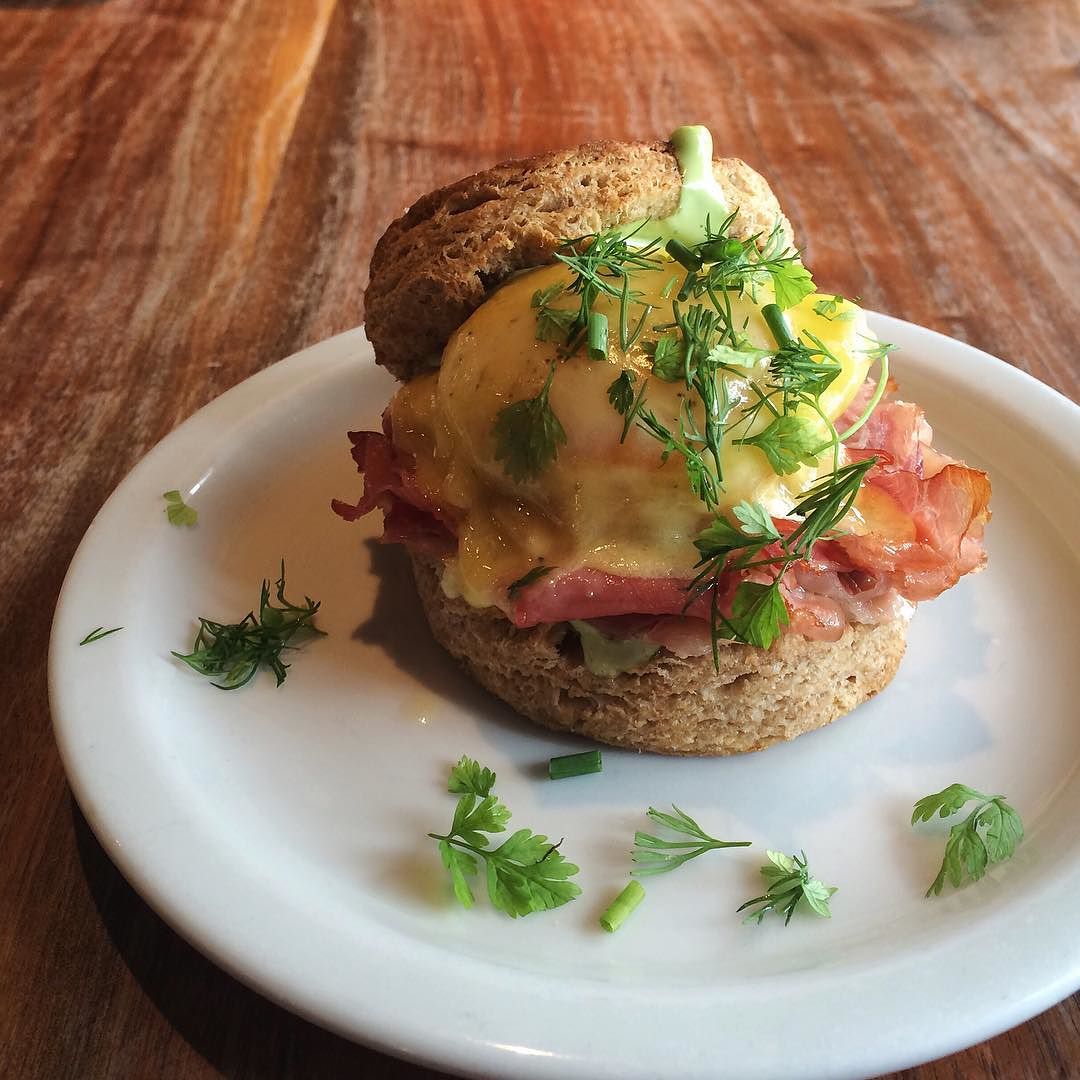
(437, 263)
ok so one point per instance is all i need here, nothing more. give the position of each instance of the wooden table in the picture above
(192, 190)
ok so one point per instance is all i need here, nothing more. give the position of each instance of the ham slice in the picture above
(949, 512)
(926, 532)
(595, 594)
(410, 516)
(897, 432)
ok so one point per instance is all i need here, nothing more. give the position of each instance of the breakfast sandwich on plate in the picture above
(656, 488)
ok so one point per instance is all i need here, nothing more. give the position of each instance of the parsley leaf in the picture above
(475, 815)
(833, 310)
(461, 865)
(755, 520)
(621, 392)
(666, 357)
(552, 324)
(178, 511)
(789, 443)
(758, 613)
(527, 874)
(989, 834)
(621, 395)
(789, 885)
(524, 874)
(528, 435)
(791, 282)
(470, 776)
(656, 855)
(944, 803)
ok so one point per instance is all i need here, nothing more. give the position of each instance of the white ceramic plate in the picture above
(283, 831)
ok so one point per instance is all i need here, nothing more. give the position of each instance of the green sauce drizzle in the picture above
(700, 199)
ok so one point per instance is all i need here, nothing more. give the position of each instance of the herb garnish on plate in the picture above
(234, 652)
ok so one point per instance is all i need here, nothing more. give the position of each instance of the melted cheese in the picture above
(601, 504)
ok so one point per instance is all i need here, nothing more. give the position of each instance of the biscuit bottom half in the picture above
(671, 705)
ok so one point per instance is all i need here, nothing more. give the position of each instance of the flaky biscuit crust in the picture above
(670, 705)
(439, 261)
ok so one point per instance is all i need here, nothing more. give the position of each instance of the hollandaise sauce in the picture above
(603, 502)
(613, 488)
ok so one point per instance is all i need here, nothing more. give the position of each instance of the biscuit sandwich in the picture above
(656, 488)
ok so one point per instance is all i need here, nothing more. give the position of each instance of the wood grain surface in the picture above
(191, 190)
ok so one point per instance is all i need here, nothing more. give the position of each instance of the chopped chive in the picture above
(722, 250)
(688, 286)
(683, 255)
(621, 906)
(778, 324)
(559, 768)
(98, 634)
(598, 336)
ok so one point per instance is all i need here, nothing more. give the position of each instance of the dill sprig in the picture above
(703, 481)
(825, 505)
(759, 611)
(699, 345)
(727, 263)
(693, 357)
(99, 633)
(657, 855)
(602, 264)
(234, 652)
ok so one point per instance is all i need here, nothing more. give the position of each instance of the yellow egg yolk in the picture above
(604, 504)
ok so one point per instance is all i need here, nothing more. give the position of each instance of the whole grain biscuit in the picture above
(669, 705)
(437, 263)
